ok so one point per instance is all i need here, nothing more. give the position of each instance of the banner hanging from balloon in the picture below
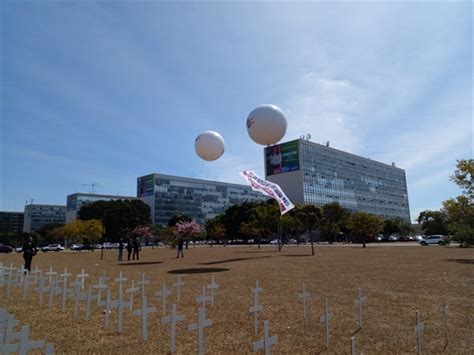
(269, 189)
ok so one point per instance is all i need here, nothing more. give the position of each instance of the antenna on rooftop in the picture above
(93, 186)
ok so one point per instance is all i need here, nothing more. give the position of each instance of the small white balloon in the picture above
(209, 145)
(266, 124)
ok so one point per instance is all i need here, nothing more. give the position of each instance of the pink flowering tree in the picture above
(145, 233)
(189, 230)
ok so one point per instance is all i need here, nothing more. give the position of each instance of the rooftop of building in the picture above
(173, 177)
(101, 195)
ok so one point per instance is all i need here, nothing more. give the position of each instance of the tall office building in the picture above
(37, 216)
(312, 173)
(11, 222)
(77, 200)
(199, 199)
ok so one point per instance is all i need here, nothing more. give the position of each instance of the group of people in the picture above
(133, 246)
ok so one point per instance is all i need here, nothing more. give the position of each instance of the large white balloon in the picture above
(209, 145)
(266, 124)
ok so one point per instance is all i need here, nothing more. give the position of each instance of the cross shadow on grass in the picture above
(132, 263)
(297, 255)
(196, 270)
(233, 260)
(462, 261)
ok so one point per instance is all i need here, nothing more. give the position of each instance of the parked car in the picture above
(433, 239)
(6, 249)
(53, 247)
(75, 247)
(393, 238)
(275, 242)
(19, 250)
(418, 238)
(87, 247)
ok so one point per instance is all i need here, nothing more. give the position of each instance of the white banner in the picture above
(269, 189)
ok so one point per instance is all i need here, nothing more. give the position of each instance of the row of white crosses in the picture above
(58, 284)
(11, 341)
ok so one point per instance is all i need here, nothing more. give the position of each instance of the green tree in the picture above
(363, 225)
(334, 220)
(460, 212)
(433, 222)
(310, 218)
(89, 231)
(118, 217)
(215, 229)
(178, 217)
(463, 177)
(46, 235)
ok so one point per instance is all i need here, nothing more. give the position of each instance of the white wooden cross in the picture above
(144, 314)
(173, 319)
(163, 295)
(267, 340)
(41, 289)
(100, 286)
(10, 281)
(50, 274)
(353, 346)
(212, 286)
(256, 306)
(90, 297)
(36, 273)
(326, 318)
(142, 284)
(54, 289)
(49, 349)
(26, 285)
(65, 290)
(78, 297)
(2, 274)
(418, 330)
(199, 326)
(9, 335)
(22, 271)
(121, 306)
(203, 299)
(26, 345)
(120, 280)
(178, 284)
(109, 305)
(445, 314)
(132, 291)
(82, 276)
(359, 301)
(304, 296)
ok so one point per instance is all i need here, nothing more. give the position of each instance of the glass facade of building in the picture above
(198, 199)
(37, 216)
(11, 222)
(359, 184)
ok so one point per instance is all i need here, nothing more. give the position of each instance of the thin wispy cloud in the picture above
(106, 92)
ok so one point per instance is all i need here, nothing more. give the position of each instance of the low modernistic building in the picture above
(11, 222)
(77, 200)
(37, 216)
(199, 199)
(311, 173)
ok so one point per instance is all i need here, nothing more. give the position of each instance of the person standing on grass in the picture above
(129, 248)
(29, 250)
(136, 248)
(120, 254)
(180, 247)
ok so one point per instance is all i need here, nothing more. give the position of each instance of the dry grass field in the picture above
(397, 280)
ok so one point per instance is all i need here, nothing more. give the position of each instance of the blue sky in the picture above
(104, 92)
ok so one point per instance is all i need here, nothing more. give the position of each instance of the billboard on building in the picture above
(71, 202)
(145, 185)
(282, 158)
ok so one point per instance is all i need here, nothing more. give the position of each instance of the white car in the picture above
(274, 242)
(53, 247)
(76, 247)
(433, 239)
